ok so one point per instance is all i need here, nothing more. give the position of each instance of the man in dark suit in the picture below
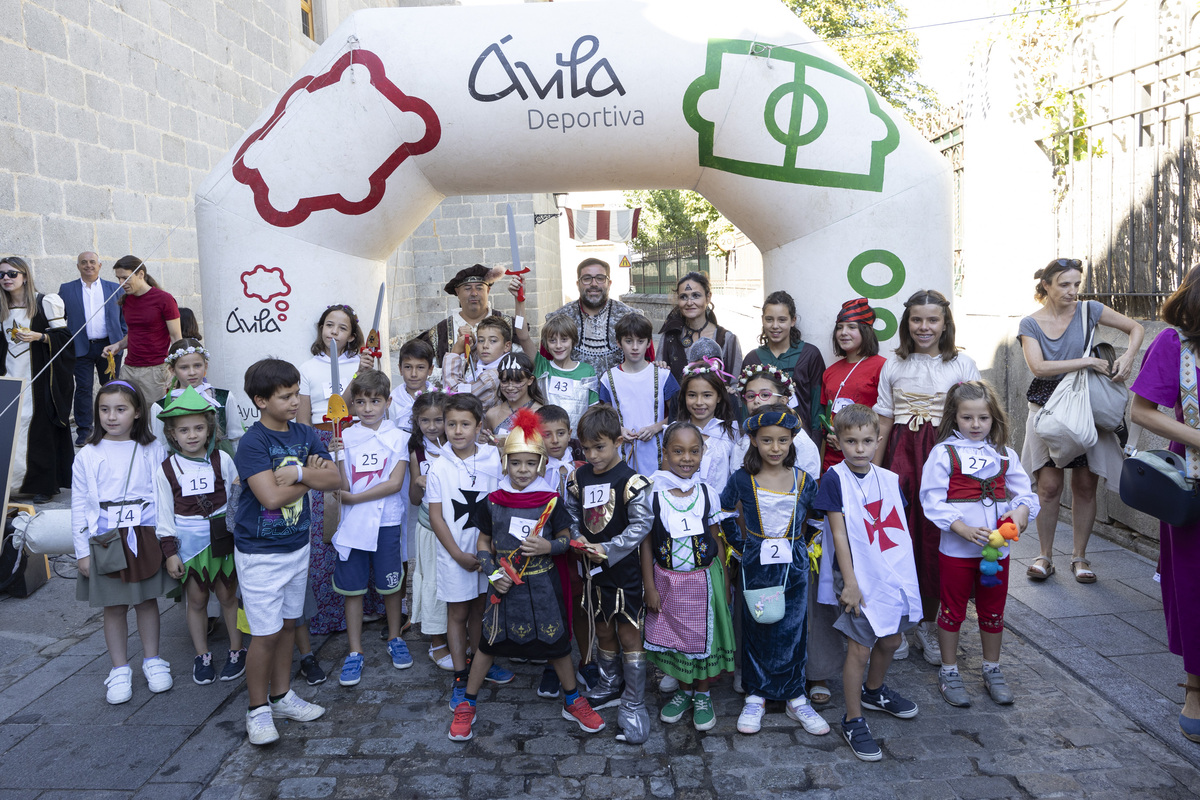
(83, 298)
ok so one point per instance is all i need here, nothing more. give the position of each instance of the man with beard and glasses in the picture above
(596, 317)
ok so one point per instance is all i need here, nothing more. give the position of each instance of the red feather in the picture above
(527, 420)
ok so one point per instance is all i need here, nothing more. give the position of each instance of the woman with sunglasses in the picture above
(1053, 340)
(36, 334)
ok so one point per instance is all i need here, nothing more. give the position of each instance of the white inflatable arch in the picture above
(400, 108)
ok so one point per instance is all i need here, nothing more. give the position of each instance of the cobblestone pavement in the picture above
(386, 737)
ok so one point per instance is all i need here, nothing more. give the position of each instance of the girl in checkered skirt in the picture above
(688, 633)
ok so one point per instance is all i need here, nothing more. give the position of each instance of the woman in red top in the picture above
(152, 318)
(854, 378)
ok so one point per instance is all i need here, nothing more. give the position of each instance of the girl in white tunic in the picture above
(972, 483)
(425, 446)
(113, 506)
(706, 405)
(193, 487)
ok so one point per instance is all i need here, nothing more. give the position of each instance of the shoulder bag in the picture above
(1108, 397)
(1161, 483)
(1066, 423)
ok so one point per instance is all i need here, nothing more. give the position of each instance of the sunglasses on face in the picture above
(12, 273)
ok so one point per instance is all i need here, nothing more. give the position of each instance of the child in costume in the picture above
(689, 634)
(518, 390)
(416, 365)
(781, 347)
(565, 382)
(610, 509)
(522, 525)
(706, 405)
(424, 447)
(761, 385)
(474, 371)
(912, 393)
(555, 428)
(641, 392)
(854, 377)
(465, 472)
(188, 361)
(973, 482)
(113, 511)
(870, 572)
(773, 496)
(193, 486)
(369, 539)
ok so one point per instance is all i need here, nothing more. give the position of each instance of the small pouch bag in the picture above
(220, 537)
(108, 556)
(766, 605)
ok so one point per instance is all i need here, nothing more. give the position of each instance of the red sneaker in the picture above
(580, 711)
(464, 718)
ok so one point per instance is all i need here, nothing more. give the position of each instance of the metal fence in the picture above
(657, 270)
(1127, 175)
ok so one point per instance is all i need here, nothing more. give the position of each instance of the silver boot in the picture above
(632, 717)
(607, 692)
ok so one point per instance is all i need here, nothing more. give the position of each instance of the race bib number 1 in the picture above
(775, 551)
(596, 495)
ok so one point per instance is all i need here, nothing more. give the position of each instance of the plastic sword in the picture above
(337, 411)
(516, 254)
(515, 575)
(373, 344)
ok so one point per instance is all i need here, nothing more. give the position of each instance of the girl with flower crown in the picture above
(705, 403)
(762, 385)
(187, 360)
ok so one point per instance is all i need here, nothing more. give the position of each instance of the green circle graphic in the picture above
(785, 137)
(890, 326)
(890, 260)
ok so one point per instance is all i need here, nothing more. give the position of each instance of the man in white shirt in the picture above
(95, 321)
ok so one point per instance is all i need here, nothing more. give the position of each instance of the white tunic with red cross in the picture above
(880, 547)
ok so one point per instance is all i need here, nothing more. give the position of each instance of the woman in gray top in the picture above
(1053, 340)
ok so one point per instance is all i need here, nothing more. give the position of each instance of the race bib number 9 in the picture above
(775, 551)
(520, 528)
(596, 495)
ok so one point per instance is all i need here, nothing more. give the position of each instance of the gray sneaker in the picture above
(997, 687)
(952, 689)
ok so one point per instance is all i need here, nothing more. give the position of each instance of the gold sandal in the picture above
(1038, 573)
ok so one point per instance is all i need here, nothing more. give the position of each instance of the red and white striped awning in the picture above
(594, 224)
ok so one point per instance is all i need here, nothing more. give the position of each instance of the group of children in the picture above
(696, 533)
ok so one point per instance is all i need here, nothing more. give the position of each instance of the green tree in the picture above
(865, 33)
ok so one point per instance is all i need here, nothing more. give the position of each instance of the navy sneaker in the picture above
(398, 650)
(499, 675)
(549, 685)
(588, 675)
(203, 671)
(235, 666)
(884, 699)
(311, 670)
(458, 694)
(859, 737)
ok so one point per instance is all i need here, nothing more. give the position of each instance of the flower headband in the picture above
(708, 365)
(755, 370)
(784, 419)
(175, 355)
(347, 310)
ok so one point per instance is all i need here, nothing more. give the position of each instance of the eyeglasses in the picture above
(594, 280)
(12, 273)
(1069, 263)
(763, 395)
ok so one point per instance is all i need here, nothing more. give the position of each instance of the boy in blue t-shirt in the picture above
(278, 461)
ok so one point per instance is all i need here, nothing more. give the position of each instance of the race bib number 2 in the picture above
(775, 551)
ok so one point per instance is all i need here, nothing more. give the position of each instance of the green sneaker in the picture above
(676, 707)
(703, 716)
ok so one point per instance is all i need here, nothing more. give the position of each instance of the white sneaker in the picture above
(902, 650)
(927, 641)
(668, 685)
(120, 685)
(293, 706)
(750, 720)
(158, 674)
(260, 726)
(799, 709)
